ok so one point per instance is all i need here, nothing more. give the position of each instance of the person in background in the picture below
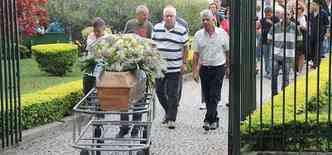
(266, 25)
(141, 26)
(224, 23)
(326, 44)
(40, 29)
(281, 3)
(318, 24)
(284, 56)
(211, 46)
(258, 43)
(99, 26)
(213, 7)
(258, 11)
(55, 26)
(301, 23)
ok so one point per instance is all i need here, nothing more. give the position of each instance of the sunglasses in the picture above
(205, 19)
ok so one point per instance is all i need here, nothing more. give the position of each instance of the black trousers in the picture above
(315, 51)
(168, 91)
(136, 117)
(89, 82)
(211, 83)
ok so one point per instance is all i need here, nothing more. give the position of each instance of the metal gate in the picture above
(10, 115)
(286, 108)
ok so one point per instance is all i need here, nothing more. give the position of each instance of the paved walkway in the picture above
(188, 138)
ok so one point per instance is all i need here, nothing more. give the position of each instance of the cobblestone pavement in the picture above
(188, 138)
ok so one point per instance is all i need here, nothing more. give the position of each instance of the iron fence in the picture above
(282, 81)
(10, 111)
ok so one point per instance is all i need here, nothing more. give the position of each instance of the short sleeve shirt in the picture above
(170, 44)
(212, 48)
(143, 30)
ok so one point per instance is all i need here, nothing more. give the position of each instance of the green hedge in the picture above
(56, 59)
(291, 127)
(51, 104)
(24, 51)
(47, 105)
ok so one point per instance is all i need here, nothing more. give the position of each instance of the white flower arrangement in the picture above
(126, 52)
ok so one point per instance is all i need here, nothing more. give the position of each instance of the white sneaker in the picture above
(171, 124)
(202, 106)
(220, 104)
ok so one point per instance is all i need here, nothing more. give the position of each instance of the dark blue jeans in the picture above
(168, 91)
(211, 83)
(278, 65)
(267, 50)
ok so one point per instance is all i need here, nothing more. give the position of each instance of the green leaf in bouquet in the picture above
(87, 64)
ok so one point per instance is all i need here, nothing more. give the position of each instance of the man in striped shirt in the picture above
(283, 50)
(171, 39)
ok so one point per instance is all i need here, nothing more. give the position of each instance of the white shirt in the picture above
(91, 41)
(302, 21)
(212, 48)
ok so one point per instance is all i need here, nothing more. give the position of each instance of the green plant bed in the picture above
(49, 105)
(56, 59)
(263, 130)
(289, 139)
(33, 79)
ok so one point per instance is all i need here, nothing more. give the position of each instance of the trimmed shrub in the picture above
(46, 106)
(289, 130)
(51, 104)
(24, 51)
(56, 59)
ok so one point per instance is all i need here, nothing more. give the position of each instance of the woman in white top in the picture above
(301, 22)
(98, 32)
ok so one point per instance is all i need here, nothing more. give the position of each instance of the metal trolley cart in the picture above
(95, 130)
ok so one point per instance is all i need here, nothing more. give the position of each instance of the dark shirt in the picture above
(318, 25)
(143, 30)
(266, 27)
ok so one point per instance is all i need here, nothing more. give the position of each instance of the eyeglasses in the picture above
(205, 19)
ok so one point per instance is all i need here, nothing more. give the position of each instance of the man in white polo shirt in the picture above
(211, 46)
(171, 39)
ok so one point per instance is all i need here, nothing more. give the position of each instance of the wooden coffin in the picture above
(116, 91)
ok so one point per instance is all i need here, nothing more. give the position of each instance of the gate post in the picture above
(10, 105)
(235, 86)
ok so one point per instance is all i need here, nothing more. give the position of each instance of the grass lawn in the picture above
(32, 79)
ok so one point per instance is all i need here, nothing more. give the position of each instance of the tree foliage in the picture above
(31, 13)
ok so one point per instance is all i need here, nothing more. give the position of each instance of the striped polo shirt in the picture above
(170, 44)
(284, 40)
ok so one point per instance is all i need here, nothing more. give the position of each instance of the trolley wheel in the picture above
(143, 152)
(97, 134)
(84, 152)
